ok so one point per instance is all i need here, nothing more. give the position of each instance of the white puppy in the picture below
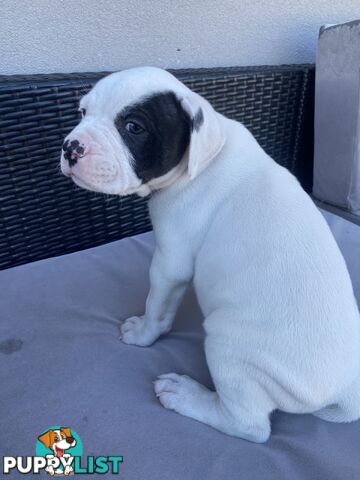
(281, 320)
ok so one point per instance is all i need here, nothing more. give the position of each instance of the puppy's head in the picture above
(140, 130)
(58, 440)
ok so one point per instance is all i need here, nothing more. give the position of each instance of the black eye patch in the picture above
(164, 136)
(198, 120)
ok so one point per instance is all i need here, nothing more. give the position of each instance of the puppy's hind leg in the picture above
(188, 397)
(240, 406)
(346, 408)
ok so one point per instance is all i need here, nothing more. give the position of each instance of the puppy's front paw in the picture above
(138, 331)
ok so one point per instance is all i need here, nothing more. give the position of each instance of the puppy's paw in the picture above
(180, 393)
(133, 331)
(138, 331)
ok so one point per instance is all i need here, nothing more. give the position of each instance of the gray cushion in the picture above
(61, 363)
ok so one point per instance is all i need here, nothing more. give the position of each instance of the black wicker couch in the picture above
(42, 214)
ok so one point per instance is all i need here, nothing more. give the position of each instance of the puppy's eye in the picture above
(83, 112)
(134, 128)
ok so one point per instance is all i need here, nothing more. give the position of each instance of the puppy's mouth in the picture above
(59, 452)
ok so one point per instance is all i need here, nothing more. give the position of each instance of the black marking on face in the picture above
(65, 145)
(72, 150)
(198, 120)
(162, 136)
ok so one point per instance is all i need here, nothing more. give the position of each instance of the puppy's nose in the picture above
(72, 151)
(70, 440)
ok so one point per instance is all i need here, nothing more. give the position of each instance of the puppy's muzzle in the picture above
(73, 150)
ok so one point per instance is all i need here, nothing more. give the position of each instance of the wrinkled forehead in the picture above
(119, 90)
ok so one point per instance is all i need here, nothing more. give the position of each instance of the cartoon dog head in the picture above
(58, 440)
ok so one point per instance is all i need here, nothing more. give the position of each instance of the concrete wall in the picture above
(91, 35)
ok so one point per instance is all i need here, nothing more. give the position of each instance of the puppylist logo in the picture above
(59, 452)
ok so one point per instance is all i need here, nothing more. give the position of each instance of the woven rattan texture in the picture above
(42, 214)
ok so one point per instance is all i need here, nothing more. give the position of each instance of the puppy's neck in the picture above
(165, 181)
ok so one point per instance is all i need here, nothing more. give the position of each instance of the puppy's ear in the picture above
(207, 133)
(66, 431)
(47, 438)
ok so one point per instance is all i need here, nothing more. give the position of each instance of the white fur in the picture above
(281, 321)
